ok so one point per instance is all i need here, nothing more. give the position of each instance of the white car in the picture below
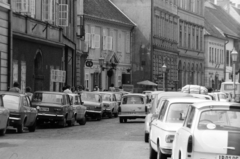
(211, 131)
(219, 96)
(163, 129)
(155, 107)
(202, 96)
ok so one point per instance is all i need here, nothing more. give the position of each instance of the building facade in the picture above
(155, 40)
(191, 42)
(44, 46)
(108, 43)
(5, 43)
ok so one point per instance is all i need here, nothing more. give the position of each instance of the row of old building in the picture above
(46, 44)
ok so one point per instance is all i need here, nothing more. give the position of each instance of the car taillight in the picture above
(190, 144)
(169, 138)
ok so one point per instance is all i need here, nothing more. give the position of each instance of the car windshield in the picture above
(106, 97)
(91, 97)
(118, 97)
(177, 112)
(133, 100)
(220, 120)
(11, 102)
(48, 98)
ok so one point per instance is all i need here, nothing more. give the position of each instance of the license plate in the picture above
(44, 109)
(227, 157)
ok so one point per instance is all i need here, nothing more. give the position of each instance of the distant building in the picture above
(108, 41)
(5, 44)
(155, 40)
(191, 42)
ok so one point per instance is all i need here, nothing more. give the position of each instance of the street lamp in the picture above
(164, 68)
(234, 59)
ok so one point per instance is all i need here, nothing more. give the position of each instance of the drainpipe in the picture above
(131, 50)
(225, 59)
(10, 37)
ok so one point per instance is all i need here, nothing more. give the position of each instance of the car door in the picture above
(155, 128)
(183, 134)
(3, 117)
(33, 111)
(27, 110)
(115, 103)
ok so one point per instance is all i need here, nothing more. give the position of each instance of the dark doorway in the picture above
(38, 72)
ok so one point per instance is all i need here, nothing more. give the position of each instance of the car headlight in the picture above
(169, 138)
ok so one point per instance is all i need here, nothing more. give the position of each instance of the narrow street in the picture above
(106, 139)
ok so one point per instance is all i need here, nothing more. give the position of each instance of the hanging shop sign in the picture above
(89, 63)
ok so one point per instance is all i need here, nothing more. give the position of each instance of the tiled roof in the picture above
(212, 29)
(219, 18)
(104, 9)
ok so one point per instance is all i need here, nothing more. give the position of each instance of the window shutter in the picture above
(86, 43)
(63, 15)
(128, 43)
(32, 8)
(97, 41)
(109, 42)
(104, 39)
(119, 41)
(92, 37)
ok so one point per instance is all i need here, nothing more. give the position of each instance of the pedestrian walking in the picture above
(67, 90)
(28, 92)
(15, 88)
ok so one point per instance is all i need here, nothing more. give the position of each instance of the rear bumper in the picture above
(50, 117)
(132, 116)
(14, 121)
(93, 113)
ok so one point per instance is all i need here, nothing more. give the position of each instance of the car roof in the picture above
(134, 94)
(50, 92)
(208, 103)
(185, 100)
(156, 92)
(11, 93)
(166, 94)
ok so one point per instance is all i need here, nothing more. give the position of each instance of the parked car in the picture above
(110, 104)
(78, 108)
(53, 107)
(4, 117)
(202, 96)
(219, 96)
(169, 120)
(133, 106)
(21, 112)
(93, 103)
(155, 107)
(211, 130)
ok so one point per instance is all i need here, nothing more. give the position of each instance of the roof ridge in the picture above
(122, 12)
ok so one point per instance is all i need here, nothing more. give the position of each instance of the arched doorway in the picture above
(38, 72)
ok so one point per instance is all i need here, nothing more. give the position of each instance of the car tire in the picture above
(146, 137)
(160, 155)
(63, 122)
(120, 120)
(3, 131)
(32, 128)
(82, 121)
(73, 121)
(125, 120)
(20, 128)
(153, 153)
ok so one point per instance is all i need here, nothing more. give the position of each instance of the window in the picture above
(11, 102)
(193, 38)
(25, 7)
(119, 41)
(189, 37)
(97, 41)
(177, 112)
(215, 55)
(133, 100)
(210, 57)
(190, 117)
(63, 14)
(163, 111)
(107, 41)
(92, 37)
(48, 9)
(180, 34)
(128, 43)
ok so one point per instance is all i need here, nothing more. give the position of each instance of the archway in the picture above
(38, 72)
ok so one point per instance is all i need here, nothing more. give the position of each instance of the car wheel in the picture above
(153, 153)
(73, 121)
(3, 131)
(146, 137)
(160, 155)
(83, 121)
(125, 120)
(20, 128)
(63, 122)
(33, 127)
(121, 120)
